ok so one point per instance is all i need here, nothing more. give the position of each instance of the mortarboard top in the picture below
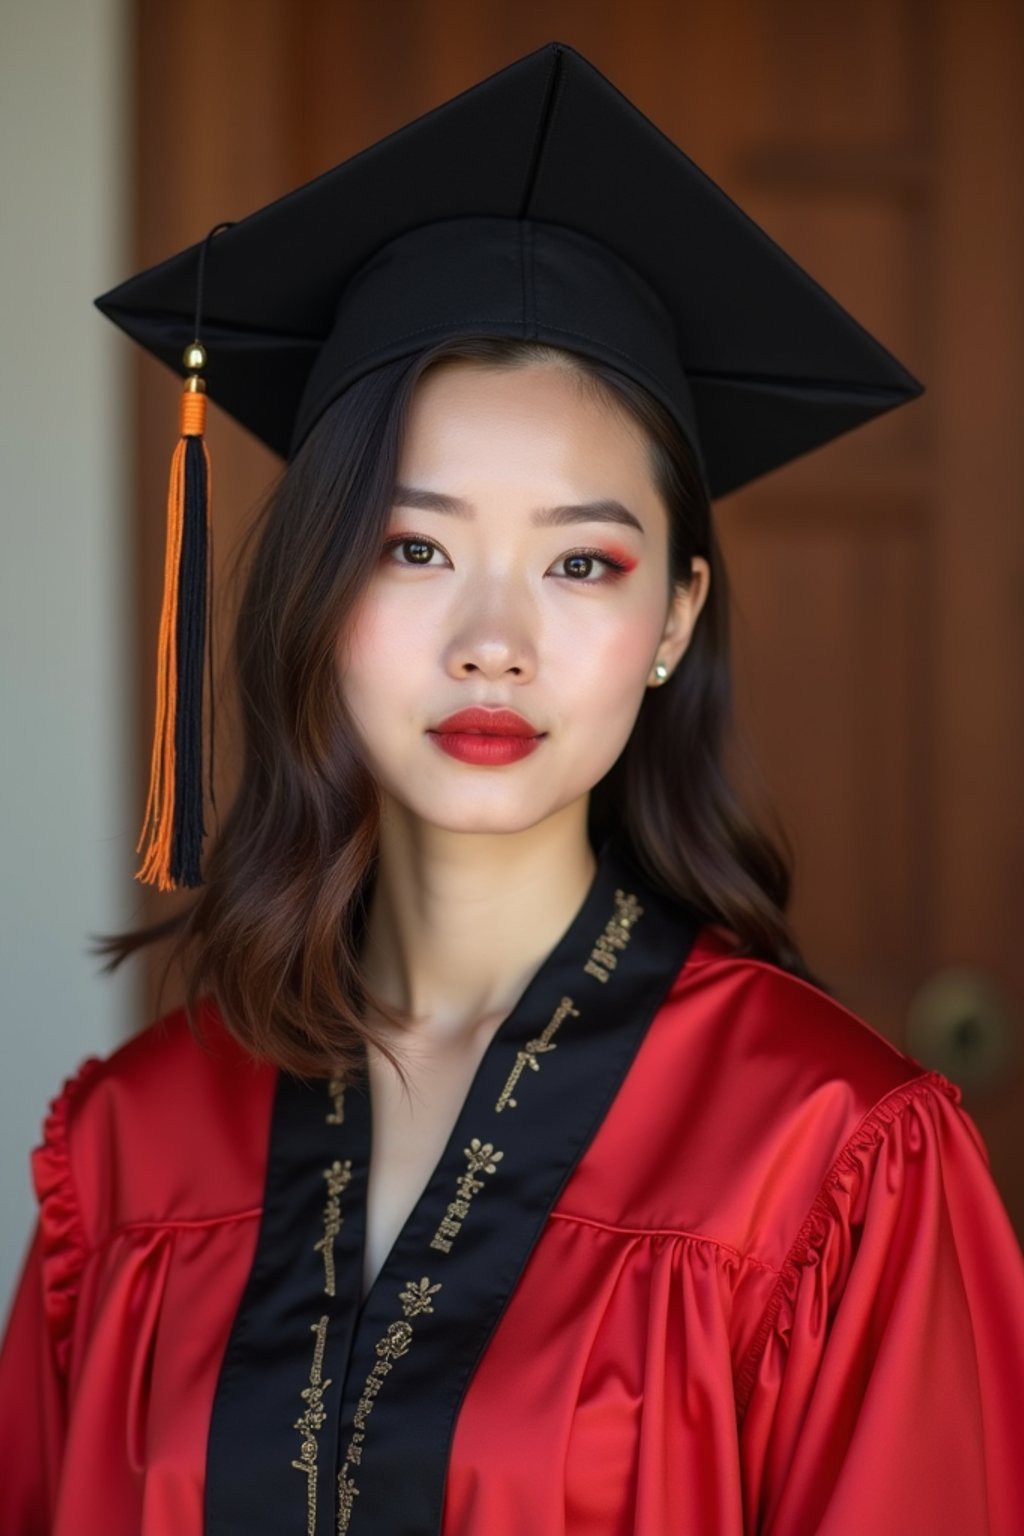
(540, 203)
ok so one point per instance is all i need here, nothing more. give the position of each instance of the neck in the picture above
(460, 922)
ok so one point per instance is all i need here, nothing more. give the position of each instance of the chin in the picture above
(485, 822)
(462, 815)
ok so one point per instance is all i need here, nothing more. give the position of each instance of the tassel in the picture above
(173, 820)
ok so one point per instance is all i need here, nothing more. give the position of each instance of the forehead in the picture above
(535, 418)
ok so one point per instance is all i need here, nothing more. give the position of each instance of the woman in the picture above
(509, 1172)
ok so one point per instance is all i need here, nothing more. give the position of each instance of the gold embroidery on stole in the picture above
(336, 1094)
(527, 1057)
(314, 1415)
(617, 933)
(416, 1299)
(338, 1176)
(311, 1420)
(482, 1158)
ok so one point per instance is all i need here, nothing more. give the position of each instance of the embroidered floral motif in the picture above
(415, 1299)
(336, 1094)
(337, 1176)
(311, 1421)
(347, 1495)
(482, 1158)
(617, 933)
(527, 1056)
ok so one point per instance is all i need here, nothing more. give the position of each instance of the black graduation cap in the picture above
(774, 365)
(539, 204)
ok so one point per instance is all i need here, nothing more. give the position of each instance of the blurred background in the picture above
(878, 584)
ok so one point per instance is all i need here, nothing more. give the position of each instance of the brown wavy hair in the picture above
(274, 935)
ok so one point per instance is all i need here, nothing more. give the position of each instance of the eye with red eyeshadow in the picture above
(614, 565)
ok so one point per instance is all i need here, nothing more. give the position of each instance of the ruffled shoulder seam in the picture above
(824, 1211)
(63, 1240)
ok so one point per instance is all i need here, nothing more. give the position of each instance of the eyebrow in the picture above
(604, 510)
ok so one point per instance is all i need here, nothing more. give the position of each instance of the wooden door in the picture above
(878, 583)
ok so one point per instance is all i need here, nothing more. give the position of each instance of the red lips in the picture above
(486, 722)
(486, 738)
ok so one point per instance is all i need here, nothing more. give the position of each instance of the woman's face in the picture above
(525, 569)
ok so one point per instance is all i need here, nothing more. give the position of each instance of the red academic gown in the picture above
(770, 1288)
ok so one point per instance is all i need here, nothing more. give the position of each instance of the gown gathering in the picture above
(705, 1253)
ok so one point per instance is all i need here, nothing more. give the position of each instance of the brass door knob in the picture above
(960, 1024)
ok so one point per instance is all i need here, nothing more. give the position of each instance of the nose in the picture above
(494, 638)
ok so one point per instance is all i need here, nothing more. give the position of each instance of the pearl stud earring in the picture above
(660, 671)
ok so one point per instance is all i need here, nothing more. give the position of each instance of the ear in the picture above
(683, 613)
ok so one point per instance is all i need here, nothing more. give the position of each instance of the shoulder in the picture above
(750, 1086)
(801, 1039)
(171, 1126)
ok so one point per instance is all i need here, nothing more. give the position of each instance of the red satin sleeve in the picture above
(885, 1390)
(32, 1408)
(36, 1346)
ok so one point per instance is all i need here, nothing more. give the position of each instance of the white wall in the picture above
(66, 835)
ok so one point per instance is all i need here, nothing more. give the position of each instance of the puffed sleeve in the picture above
(34, 1358)
(884, 1392)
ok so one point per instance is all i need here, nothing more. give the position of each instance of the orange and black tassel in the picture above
(173, 827)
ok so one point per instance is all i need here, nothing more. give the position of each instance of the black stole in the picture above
(332, 1417)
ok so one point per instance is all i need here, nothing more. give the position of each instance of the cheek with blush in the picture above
(372, 668)
(607, 687)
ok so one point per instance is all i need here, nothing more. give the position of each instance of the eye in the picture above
(588, 567)
(415, 550)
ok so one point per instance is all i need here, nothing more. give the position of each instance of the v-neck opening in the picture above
(506, 1029)
(424, 1186)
